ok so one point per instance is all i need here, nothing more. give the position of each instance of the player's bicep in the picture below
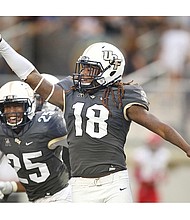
(136, 113)
(142, 117)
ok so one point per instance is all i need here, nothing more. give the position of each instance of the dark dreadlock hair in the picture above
(107, 90)
(120, 92)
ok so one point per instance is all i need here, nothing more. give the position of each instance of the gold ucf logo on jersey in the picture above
(7, 142)
(17, 141)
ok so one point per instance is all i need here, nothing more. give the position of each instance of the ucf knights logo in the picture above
(108, 55)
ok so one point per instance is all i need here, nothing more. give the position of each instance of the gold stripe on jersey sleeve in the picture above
(61, 141)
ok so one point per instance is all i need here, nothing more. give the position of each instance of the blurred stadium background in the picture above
(54, 43)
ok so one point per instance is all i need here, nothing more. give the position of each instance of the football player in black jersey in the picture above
(30, 139)
(98, 109)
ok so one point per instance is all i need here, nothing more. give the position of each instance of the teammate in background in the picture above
(151, 161)
(29, 140)
(98, 110)
(7, 173)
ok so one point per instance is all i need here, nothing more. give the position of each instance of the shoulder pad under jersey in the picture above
(134, 94)
(53, 121)
(66, 83)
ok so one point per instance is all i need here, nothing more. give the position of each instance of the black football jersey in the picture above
(96, 135)
(39, 169)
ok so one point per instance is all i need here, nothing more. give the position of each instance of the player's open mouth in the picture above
(14, 120)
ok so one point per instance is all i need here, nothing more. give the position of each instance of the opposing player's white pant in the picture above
(112, 188)
(63, 196)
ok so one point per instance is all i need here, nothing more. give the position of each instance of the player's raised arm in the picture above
(26, 71)
(139, 115)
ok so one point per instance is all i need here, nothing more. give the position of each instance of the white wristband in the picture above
(14, 185)
(51, 93)
(39, 84)
(19, 64)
